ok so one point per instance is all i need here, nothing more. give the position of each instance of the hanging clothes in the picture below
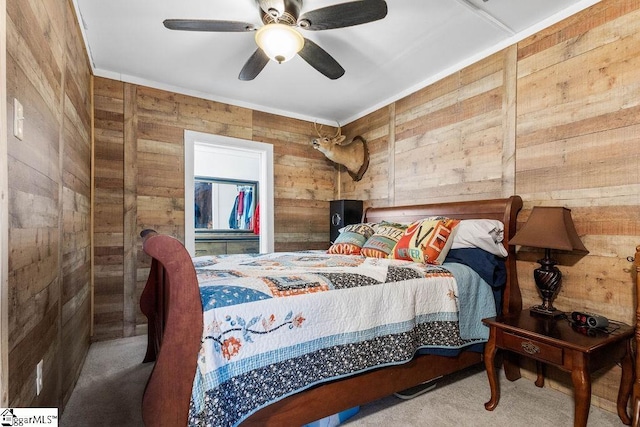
(240, 208)
(256, 219)
(248, 209)
(233, 217)
(240, 202)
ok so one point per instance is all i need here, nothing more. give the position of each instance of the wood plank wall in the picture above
(555, 119)
(4, 218)
(578, 133)
(49, 201)
(139, 183)
(442, 143)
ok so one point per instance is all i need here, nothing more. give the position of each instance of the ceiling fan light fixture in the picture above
(279, 42)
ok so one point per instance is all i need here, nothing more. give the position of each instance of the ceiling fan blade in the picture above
(343, 15)
(319, 59)
(208, 25)
(254, 65)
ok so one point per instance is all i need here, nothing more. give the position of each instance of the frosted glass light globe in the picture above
(279, 42)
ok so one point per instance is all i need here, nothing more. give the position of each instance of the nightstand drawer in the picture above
(532, 348)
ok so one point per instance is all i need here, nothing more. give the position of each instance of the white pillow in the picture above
(485, 234)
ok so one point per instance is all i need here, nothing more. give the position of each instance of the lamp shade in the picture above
(549, 227)
(279, 42)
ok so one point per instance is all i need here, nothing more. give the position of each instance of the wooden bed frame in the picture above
(635, 399)
(171, 302)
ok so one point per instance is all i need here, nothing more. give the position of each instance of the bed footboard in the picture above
(171, 301)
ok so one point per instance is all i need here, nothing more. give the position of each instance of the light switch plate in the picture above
(18, 119)
(39, 382)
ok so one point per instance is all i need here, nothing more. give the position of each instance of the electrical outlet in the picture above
(39, 383)
(18, 119)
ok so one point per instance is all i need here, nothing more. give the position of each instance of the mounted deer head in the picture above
(354, 155)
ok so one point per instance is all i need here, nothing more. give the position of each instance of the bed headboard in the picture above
(505, 210)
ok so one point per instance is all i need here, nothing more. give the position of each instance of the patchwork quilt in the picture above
(279, 323)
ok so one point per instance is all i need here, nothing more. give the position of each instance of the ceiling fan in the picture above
(278, 39)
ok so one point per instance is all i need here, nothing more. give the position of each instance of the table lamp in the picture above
(549, 227)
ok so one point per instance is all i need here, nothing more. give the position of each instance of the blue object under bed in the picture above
(335, 419)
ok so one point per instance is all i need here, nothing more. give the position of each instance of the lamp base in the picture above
(548, 279)
(539, 310)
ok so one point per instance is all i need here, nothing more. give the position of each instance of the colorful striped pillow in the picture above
(381, 244)
(351, 239)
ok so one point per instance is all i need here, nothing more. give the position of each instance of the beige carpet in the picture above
(110, 388)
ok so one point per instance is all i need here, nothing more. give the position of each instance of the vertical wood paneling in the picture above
(49, 190)
(130, 237)
(160, 159)
(378, 129)
(108, 231)
(76, 193)
(391, 160)
(509, 124)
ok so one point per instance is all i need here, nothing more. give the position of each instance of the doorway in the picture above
(237, 160)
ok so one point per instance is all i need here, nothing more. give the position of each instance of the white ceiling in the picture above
(419, 42)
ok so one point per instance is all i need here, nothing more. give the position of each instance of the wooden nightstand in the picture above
(557, 343)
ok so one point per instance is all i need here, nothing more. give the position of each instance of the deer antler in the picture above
(319, 131)
(315, 126)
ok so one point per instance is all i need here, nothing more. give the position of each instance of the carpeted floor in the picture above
(110, 388)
